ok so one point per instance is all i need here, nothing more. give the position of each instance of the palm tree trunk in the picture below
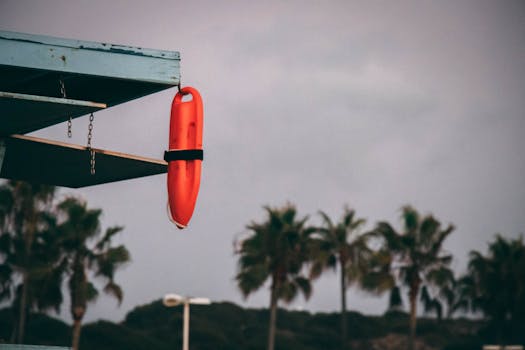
(273, 317)
(413, 319)
(22, 311)
(15, 330)
(343, 304)
(28, 242)
(78, 292)
(77, 325)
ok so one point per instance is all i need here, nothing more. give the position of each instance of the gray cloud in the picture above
(373, 104)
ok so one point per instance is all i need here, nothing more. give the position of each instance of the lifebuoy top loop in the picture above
(187, 90)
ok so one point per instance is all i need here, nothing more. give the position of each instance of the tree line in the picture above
(45, 243)
(289, 254)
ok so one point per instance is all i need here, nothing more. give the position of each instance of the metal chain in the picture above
(63, 93)
(92, 162)
(69, 125)
(91, 151)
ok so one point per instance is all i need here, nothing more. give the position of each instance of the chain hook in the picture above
(180, 89)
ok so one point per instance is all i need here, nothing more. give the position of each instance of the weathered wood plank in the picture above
(44, 161)
(31, 347)
(21, 113)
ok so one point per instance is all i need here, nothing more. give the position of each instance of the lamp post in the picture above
(171, 300)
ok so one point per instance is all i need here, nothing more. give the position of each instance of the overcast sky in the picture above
(374, 104)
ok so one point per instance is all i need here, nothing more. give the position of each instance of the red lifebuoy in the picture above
(184, 156)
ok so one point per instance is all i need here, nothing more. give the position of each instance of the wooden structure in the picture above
(31, 347)
(46, 80)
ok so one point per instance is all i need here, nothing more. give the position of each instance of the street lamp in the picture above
(171, 300)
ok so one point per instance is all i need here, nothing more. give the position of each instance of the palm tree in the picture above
(276, 249)
(415, 259)
(495, 285)
(25, 249)
(340, 245)
(85, 250)
(445, 292)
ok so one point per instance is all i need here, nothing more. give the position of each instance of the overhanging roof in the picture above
(100, 73)
(95, 76)
(67, 56)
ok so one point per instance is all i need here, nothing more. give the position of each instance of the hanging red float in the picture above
(184, 156)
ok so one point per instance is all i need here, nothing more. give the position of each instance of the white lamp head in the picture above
(200, 301)
(171, 300)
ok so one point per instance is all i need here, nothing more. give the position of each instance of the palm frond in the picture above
(430, 303)
(107, 262)
(115, 290)
(348, 217)
(395, 302)
(410, 218)
(377, 282)
(304, 286)
(287, 292)
(91, 293)
(391, 237)
(440, 237)
(6, 281)
(108, 235)
(252, 278)
(316, 269)
(328, 224)
(428, 230)
(441, 276)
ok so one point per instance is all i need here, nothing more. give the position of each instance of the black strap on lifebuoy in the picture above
(183, 154)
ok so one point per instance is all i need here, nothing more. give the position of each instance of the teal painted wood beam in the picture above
(89, 58)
